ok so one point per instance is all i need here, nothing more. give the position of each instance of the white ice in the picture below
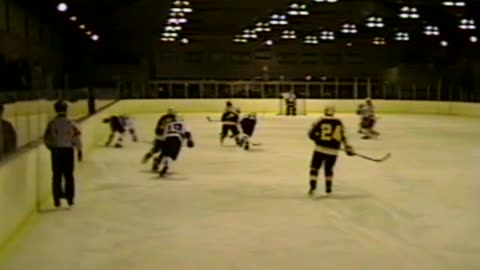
(224, 208)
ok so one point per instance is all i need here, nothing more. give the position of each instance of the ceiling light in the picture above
(473, 39)
(325, 1)
(167, 39)
(62, 7)
(467, 24)
(349, 29)
(444, 43)
(276, 19)
(407, 12)
(311, 40)
(379, 41)
(431, 30)
(454, 3)
(184, 40)
(269, 42)
(402, 36)
(373, 22)
(82, 26)
(88, 33)
(73, 18)
(95, 37)
(327, 35)
(298, 10)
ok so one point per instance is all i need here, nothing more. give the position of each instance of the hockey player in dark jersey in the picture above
(328, 134)
(229, 121)
(247, 124)
(159, 138)
(118, 126)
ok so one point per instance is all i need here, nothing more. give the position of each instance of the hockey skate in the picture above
(163, 171)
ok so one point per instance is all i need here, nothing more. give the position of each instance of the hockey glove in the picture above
(79, 156)
(190, 144)
(349, 150)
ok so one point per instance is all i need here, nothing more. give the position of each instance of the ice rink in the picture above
(225, 209)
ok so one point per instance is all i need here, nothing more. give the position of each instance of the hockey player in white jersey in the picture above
(367, 119)
(247, 124)
(175, 133)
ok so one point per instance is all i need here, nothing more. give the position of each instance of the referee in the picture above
(61, 138)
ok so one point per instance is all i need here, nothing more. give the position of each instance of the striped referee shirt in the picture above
(62, 133)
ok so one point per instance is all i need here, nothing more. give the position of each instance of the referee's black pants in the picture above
(63, 161)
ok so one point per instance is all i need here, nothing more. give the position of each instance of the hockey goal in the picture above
(301, 105)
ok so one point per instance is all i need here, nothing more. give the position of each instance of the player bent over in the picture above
(367, 119)
(328, 134)
(230, 120)
(159, 139)
(119, 125)
(175, 133)
(248, 127)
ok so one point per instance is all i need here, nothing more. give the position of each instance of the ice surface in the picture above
(225, 208)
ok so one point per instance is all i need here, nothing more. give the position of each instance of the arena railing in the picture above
(335, 88)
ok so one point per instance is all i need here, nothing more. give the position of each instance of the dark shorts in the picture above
(318, 159)
(227, 128)
(171, 147)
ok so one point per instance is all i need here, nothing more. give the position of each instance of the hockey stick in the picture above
(387, 156)
(212, 120)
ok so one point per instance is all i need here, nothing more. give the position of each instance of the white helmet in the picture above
(329, 110)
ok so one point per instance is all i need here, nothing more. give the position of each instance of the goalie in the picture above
(367, 119)
(328, 134)
(118, 126)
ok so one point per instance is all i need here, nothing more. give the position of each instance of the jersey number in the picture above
(174, 128)
(328, 133)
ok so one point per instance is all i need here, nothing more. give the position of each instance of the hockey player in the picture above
(290, 103)
(159, 139)
(118, 126)
(328, 134)
(367, 119)
(247, 124)
(229, 121)
(175, 133)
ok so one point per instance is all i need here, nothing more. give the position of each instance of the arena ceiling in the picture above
(136, 23)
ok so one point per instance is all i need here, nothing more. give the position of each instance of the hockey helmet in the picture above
(229, 104)
(329, 110)
(60, 106)
(252, 116)
(171, 111)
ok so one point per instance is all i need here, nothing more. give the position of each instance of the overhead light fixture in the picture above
(82, 26)
(240, 39)
(181, 3)
(269, 42)
(88, 33)
(431, 30)
(288, 34)
(473, 39)
(349, 28)
(402, 36)
(311, 40)
(325, 1)
(73, 18)
(444, 43)
(454, 3)
(379, 41)
(467, 24)
(407, 12)
(62, 7)
(262, 27)
(167, 39)
(327, 35)
(184, 41)
(170, 34)
(173, 28)
(375, 22)
(95, 37)
(276, 19)
(249, 34)
(298, 10)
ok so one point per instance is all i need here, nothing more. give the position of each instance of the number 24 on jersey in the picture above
(331, 132)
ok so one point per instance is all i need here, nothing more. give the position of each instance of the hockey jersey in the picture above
(328, 134)
(176, 129)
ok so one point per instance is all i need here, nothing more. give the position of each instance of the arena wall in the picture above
(25, 176)
(313, 106)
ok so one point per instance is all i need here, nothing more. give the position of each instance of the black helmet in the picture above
(60, 106)
(229, 103)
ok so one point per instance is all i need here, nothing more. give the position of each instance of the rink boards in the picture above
(266, 185)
